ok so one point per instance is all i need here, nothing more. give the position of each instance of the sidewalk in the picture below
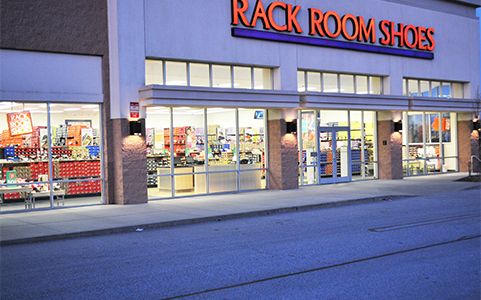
(103, 219)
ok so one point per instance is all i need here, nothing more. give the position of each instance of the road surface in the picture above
(413, 248)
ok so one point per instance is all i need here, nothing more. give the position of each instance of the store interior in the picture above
(24, 155)
(429, 143)
(235, 156)
(356, 131)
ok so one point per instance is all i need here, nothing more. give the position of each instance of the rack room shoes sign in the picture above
(329, 29)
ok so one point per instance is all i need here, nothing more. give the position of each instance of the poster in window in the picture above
(20, 123)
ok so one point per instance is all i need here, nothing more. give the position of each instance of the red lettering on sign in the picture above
(315, 20)
(270, 15)
(291, 18)
(430, 38)
(367, 33)
(330, 24)
(399, 34)
(337, 21)
(260, 13)
(421, 38)
(410, 29)
(355, 27)
(238, 13)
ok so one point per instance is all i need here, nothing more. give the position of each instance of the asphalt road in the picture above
(413, 248)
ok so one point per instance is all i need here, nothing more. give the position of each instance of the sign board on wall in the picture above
(20, 123)
(134, 110)
(330, 29)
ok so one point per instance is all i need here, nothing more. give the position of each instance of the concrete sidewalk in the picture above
(92, 220)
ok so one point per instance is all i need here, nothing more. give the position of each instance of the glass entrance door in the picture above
(334, 155)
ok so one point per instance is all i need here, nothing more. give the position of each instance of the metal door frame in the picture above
(334, 130)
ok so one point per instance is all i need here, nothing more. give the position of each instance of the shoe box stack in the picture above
(326, 169)
(94, 151)
(61, 151)
(179, 139)
(7, 140)
(84, 187)
(38, 168)
(79, 153)
(77, 169)
(35, 137)
(75, 135)
(9, 152)
(61, 135)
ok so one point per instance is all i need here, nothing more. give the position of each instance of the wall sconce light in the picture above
(135, 128)
(291, 127)
(476, 124)
(398, 126)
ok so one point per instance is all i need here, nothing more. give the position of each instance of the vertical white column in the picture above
(126, 54)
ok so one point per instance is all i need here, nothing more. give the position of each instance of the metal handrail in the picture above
(471, 164)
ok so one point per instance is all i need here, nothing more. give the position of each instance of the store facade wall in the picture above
(184, 73)
(55, 58)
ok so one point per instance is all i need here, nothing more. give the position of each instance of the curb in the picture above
(218, 218)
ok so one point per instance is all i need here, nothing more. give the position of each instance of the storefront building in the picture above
(192, 98)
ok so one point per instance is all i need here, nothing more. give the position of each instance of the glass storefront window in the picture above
(338, 83)
(347, 83)
(415, 127)
(252, 149)
(221, 76)
(446, 90)
(199, 75)
(446, 127)
(263, 79)
(207, 75)
(313, 82)
(50, 153)
(330, 118)
(375, 85)
(432, 125)
(428, 88)
(435, 89)
(361, 85)
(413, 87)
(242, 78)
(424, 85)
(301, 81)
(158, 141)
(154, 72)
(75, 128)
(212, 149)
(458, 90)
(308, 147)
(188, 134)
(428, 148)
(176, 73)
(363, 144)
(330, 83)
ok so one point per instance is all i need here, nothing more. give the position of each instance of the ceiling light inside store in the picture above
(90, 106)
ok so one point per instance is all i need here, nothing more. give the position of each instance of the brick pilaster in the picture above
(283, 157)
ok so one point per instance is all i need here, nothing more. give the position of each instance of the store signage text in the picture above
(329, 28)
(134, 110)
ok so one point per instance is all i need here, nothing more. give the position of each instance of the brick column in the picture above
(465, 136)
(389, 148)
(476, 149)
(127, 165)
(283, 155)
